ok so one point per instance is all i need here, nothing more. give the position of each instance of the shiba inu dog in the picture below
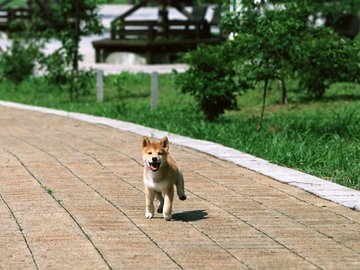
(161, 174)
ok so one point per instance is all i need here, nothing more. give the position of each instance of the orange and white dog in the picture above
(161, 174)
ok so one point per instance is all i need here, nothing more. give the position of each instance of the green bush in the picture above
(55, 68)
(326, 58)
(18, 61)
(210, 79)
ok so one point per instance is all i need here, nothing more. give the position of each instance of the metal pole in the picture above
(154, 90)
(100, 85)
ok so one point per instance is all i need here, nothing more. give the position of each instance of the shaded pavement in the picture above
(71, 197)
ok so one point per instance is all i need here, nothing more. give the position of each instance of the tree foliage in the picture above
(66, 21)
(326, 58)
(277, 42)
(210, 79)
(18, 61)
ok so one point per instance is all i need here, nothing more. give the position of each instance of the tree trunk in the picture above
(284, 99)
(75, 67)
(260, 125)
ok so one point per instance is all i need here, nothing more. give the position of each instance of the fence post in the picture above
(100, 85)
(154, 90)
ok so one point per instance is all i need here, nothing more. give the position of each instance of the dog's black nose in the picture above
(154, 159)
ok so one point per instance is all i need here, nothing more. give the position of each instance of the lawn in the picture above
(318, 137)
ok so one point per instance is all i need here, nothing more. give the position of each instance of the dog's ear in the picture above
(165, 143)
(145, 141)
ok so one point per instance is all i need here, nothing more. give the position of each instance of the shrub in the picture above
(56, 70)
(326, 58)
(18, 61)
(59, 74)
(210, 79)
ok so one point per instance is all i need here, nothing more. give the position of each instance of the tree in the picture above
(341, 15)
(276, 43)
(18, 62)
(266, 42)
(66, 21)
(279, 42)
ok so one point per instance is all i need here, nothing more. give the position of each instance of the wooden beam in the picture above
(133, 9)
(182, 10)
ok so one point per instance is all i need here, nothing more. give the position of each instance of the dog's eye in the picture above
(149, 153)
(160, 153)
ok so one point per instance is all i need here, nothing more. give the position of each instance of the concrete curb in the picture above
(322, 188)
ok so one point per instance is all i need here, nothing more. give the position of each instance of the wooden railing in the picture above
(182, 29)
(9, 15)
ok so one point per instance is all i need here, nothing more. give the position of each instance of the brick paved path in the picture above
(71, 197)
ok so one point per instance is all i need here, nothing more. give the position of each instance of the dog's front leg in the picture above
(168, 200)
(149, 197)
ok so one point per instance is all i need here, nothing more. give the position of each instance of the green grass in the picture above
(318, 137)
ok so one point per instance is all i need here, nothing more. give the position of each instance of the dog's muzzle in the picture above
(154, 166)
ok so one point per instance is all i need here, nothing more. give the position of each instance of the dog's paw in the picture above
(182, 197)
(168, 216)
(149, 215)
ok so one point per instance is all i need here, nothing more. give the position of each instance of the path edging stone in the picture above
(315, 185)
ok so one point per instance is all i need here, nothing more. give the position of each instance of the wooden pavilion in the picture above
(157, 37)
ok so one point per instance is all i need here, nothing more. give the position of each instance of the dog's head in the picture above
(155, 154)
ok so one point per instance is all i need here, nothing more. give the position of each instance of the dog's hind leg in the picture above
(180, 187)
(160, 198)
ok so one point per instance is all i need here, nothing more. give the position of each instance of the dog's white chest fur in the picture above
(151, 181)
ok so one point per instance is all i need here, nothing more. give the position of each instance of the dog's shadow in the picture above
(187, 216)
